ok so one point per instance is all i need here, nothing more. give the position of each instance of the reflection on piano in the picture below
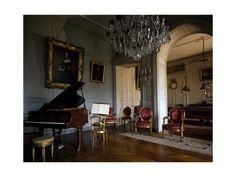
(61, 113)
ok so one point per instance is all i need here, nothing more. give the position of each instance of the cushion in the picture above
(143, 124)
(171, 126)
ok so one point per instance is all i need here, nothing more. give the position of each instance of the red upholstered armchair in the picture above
(174, 122)
(126, 117)
(144, 120)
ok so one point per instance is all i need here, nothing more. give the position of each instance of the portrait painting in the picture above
(97, 73)
(64, 64)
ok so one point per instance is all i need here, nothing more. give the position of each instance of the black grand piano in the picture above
(62, 113)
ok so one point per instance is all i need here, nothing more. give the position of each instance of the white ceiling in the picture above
(97, 24)
(190, 45)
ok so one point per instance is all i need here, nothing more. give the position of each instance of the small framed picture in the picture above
(97, 72)
(206, 74)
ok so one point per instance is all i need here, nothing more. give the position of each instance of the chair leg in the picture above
(136, 130)
(43, 153)
(182, 135)
(93, 140)
(106, 133)
(103, 140)
(91, 137)
(52, 150)
(162, 133)
(151, 131)
(124, 125)
(130, 124)
(33, 153)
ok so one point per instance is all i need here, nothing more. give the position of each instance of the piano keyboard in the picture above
(37, 122)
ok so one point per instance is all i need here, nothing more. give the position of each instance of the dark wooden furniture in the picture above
(199, 112)
(62, 113)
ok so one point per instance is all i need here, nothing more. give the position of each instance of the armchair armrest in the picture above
(137, 118)
(166, 118)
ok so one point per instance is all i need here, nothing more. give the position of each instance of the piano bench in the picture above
(42, 142)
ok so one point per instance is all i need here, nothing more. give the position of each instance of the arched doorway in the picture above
(188, 60)
(160, 85)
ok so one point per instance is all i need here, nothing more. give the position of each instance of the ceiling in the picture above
(190, 45)
(97, 25)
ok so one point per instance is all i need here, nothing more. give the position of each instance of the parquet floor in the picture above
(123, 149)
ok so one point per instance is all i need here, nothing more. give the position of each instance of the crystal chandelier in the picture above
(137, 36)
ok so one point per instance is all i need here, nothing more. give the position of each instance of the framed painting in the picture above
(97, 72)
(64, 64)
(206, 74)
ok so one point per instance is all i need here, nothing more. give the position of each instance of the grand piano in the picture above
(62, 113)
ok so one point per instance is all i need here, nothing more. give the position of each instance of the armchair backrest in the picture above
(145, 113)
(127, 111)
(177, 114)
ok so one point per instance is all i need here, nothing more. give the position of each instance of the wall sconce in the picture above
(146, 74)
(206, 89)
(145, 71)
(186, 89)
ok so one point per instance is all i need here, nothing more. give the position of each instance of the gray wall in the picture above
(36, 29)
(195, 96)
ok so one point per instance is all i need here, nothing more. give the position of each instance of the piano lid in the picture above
(68, 98)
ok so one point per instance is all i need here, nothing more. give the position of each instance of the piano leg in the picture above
(41, 131)
(57, 136)
(79, 136)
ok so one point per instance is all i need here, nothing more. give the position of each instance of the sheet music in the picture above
(100, 109)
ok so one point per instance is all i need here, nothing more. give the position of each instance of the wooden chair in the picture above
(144, 120)
(136, 111)
(42, 142)
(126, 117)
(98, 129)
(111, 118)
(174, 122)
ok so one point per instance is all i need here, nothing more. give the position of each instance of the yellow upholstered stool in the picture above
(42, 142)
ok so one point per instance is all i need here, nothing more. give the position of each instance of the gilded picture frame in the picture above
(97, 72)
(64, 64)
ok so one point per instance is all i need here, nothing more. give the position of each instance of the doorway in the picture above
(127, 93)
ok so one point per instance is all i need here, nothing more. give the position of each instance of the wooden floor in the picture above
(124, 149)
